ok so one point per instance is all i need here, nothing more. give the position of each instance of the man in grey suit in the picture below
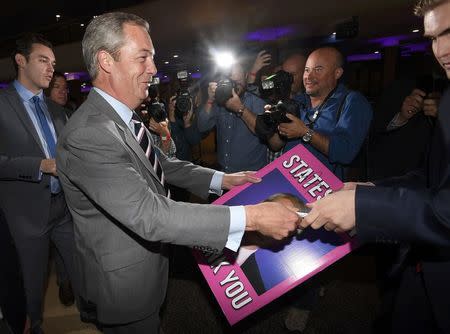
(122, 216)
(30, 194)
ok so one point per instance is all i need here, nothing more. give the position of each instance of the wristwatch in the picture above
(308, 135)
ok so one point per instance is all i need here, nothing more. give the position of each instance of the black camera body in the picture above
(183, 102)
(267, 123)
(155, 109)
(224, 91)
(277, 86)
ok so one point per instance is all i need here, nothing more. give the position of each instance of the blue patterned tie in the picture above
(49, 139)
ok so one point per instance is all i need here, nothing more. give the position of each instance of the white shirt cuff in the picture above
(237, 227)
(216, 183)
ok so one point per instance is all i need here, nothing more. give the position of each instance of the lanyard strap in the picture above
(318, 110)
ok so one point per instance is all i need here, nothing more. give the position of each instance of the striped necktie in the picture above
(144, 139)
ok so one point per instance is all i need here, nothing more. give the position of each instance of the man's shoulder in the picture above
(8, 92)
(254, 102)
(349, 94)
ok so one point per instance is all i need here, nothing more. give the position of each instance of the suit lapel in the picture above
(126, 135)
(17, 105)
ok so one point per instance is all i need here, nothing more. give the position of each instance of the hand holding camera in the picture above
(262, 59)
(171, 108)
(419, 101)
(234, 104)
(430, 104)
(294, 129)
(412, 104)
(212, 86)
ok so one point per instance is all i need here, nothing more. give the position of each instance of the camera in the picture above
(267, 123)
(183, 102)
(224, 91)
(155, 109)
(277, 86)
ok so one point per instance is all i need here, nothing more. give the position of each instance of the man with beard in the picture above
(238, 148)
(332, 121)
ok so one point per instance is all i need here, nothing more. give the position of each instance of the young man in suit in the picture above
(30, 193)
(413, 209)
(115, 184)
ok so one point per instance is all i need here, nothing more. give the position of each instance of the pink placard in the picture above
(243, 283)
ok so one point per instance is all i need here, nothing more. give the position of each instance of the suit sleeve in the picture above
(414, 179)
(414, 215)
(20, 168)
(100, 165)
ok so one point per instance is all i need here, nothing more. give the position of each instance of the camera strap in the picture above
(318, 110)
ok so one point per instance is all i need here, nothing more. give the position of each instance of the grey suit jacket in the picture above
(24, 198)
(121, 216)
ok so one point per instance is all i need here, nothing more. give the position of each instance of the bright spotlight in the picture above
(224, 59)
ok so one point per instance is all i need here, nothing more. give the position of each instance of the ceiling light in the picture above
(175, 56)
(166, 62)
(334, 34)
(415, 30)
(82, 25)
(377, 52)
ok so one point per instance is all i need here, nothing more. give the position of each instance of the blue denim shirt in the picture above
(346, 134)
(238, 148)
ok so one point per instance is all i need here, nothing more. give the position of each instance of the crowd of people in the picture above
(107, 186)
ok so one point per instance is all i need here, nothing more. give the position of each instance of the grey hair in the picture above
(105, 33)
(424, 6)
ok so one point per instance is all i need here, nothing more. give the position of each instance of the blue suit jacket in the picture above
(416, 209)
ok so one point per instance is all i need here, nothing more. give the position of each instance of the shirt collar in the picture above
(26, 94)
(121, 109)
(339, 90)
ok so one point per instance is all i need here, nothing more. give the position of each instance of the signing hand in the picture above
(335, 212)
(271, 219)
(237, 179)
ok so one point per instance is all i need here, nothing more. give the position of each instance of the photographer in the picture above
(154, 116)
(263, 59)
(333, 121)
(287, 88)
(403, 125)
(238, 148)
(185, 132)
